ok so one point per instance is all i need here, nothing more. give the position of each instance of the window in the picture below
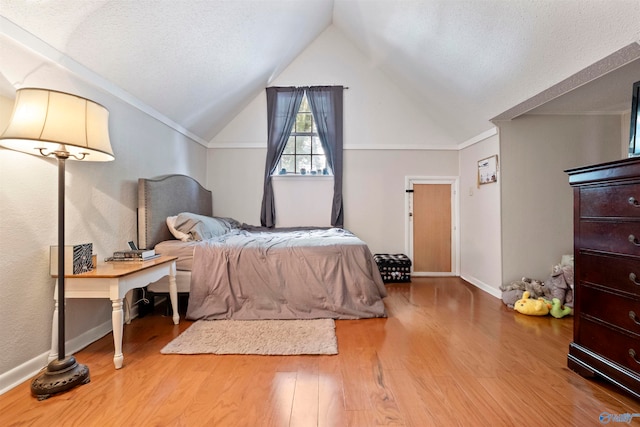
(303, 153)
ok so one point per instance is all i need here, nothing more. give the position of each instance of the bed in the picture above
(236, 271)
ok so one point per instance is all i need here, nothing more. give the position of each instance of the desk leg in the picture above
(117, 322)
(173, 293)
(53, 355)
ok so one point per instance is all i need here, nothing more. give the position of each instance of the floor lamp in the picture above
(56, 124)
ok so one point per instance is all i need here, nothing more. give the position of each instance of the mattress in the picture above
(183, 250)
(184, 263)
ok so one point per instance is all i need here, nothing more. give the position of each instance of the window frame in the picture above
(314, 140)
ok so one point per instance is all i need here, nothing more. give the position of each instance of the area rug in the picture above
(269, 337)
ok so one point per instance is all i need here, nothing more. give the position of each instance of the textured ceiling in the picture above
(200, 62)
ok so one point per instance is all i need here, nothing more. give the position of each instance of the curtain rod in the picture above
(343, 87)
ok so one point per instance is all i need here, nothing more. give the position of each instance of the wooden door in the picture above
(432, 228)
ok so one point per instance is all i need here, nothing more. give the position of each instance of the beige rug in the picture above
(269, 337)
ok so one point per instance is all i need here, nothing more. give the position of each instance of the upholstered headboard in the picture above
(166, 196)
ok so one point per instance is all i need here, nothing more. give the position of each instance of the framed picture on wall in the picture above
(488, 170)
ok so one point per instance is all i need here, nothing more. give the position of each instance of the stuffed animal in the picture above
(532, 307)
(514, 291)
(541, 306)
(558, 310)
(560, 284)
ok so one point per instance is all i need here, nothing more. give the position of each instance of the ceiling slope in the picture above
(467, 61)
(196, 62)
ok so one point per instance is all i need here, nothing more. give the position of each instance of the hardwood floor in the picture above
(448, 354)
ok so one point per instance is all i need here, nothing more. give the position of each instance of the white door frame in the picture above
(455, 220)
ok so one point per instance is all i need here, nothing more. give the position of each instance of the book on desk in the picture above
(133, 255)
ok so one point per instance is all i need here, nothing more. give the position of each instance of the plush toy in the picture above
(541, 306)
(514, 291)
(558, 310)
(530, 306)
(560, 284)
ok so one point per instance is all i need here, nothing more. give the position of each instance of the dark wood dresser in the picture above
(606, 220)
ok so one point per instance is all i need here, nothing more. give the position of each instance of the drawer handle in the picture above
(633, 355)
(633, 202)
(632, 316)
(633, 240)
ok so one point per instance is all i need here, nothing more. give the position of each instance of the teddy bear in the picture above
(560, 284)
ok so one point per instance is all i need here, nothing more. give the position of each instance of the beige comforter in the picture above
(302, 274)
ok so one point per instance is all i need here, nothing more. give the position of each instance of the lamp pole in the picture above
(63, 373)
(61, 254)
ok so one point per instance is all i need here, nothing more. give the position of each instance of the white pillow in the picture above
(171, 223)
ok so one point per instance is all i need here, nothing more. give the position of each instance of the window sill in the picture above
(303, 177)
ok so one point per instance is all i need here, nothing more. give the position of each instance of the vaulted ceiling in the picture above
(199, 62)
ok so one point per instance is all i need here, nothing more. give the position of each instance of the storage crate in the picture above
(394, 267)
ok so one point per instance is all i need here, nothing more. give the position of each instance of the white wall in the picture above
(374, 191)
(235, 177)
(382, 129)
(101, 201)
(537, 201)
(480, 217)
(303, 200)
(373, 188)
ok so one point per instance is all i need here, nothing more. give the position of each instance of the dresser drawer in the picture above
(615, 309)
(616, 272)
(610, 343)
(609, 236)
(622, 200)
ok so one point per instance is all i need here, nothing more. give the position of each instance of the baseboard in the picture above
(30, 368)
(434, 274)
(483, 286)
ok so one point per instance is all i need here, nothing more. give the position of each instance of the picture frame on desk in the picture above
(77, 258)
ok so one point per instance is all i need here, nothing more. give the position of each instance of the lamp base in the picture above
(60, 376)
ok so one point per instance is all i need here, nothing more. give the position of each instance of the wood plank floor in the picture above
(448, 354)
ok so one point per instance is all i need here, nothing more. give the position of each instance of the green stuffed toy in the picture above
(540, 306)
(558, 310)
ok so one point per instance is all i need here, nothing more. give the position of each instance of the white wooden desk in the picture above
(113, 280)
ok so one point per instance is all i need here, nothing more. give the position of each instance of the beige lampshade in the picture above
(45, 122)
